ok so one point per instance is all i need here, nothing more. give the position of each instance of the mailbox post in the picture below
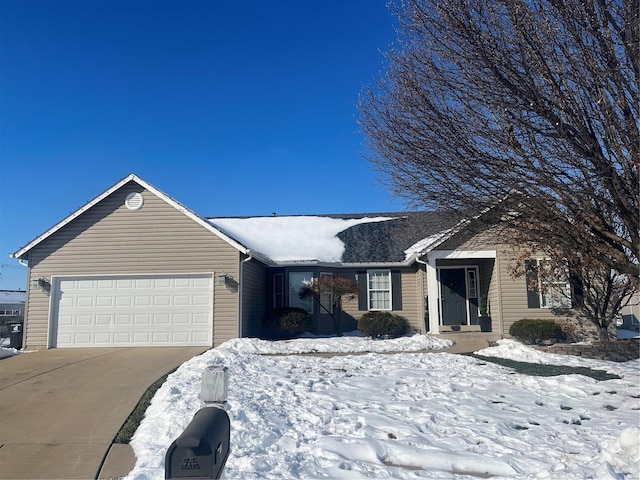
(202, 449)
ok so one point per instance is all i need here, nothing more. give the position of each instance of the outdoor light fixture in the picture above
(222, 278)
(39, 282)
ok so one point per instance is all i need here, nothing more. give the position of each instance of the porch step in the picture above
(468, 342)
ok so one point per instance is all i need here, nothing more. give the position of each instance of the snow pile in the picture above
(351, 342)
(292, 238)
(6, 350)
(407, 415)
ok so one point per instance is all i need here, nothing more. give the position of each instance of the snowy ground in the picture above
(404, 415)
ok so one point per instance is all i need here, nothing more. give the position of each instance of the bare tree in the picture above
(336, 289)
(526, 110)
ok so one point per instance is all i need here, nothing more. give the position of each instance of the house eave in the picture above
(318, 263)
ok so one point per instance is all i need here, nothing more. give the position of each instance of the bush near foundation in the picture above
(287, 322)
(383, 325)
(537, 331)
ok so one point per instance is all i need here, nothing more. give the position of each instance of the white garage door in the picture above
(154, 310)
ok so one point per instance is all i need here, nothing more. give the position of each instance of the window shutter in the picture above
(396, 291)
(533, 298)
(362, 296)
(577, 294)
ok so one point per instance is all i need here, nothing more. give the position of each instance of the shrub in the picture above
(536, 331)
(287, 322)
(383, 325)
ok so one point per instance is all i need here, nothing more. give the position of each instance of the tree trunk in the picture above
(337, 320)
(603, 333)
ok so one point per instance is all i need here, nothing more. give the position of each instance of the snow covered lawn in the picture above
(403, 415)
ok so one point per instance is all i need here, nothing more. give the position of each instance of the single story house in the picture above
(134, 267)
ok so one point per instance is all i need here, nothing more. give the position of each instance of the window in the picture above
(278, 290)
(548, 286)
(326, 299)
(9, 313)
(472, 284)
(379, 289)
(296, 281)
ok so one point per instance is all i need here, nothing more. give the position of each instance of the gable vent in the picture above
(134, 201)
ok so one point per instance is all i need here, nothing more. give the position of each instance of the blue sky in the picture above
(230, 107)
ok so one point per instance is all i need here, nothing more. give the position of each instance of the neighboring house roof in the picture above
(131, 177)
(12, 296)
(396, 237)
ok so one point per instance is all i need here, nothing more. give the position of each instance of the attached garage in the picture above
(133, 267)
(132, 311)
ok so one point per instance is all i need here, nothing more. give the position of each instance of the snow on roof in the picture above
(424, 244)
(291, 238)
(12, 296)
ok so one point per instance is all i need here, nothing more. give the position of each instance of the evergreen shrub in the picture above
(537, 331)
(287, 322)
(383, 325)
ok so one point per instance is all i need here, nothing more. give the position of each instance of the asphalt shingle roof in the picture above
(387, 241)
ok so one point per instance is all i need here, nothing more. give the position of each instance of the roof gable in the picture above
(129, 178)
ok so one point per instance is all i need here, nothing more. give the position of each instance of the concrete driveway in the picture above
(60, 409)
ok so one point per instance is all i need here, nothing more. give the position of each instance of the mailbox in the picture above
(202, 449)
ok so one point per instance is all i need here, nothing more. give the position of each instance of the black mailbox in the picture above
(15, 334)
(202, 449)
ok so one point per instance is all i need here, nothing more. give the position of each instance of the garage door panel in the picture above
(134, 311)
(100, 339)
(126, 284)
(84, 320)
(104, 301)
(142, 301)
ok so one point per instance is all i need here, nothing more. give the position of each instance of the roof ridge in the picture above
(331, 215)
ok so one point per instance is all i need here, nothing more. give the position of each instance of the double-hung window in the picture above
(379, 289)
(548, 285)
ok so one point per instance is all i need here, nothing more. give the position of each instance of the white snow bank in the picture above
(351, 342)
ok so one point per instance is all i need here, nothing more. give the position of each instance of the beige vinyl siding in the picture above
(411, 301)
(514, 294)
(254, 284)
(111, 239)
(411, 293)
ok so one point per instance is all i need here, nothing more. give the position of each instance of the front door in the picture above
(453, 293)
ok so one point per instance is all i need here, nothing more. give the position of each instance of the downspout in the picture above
(240, 293)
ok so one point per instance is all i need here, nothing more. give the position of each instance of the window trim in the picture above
(563, 299)
(389, 290)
